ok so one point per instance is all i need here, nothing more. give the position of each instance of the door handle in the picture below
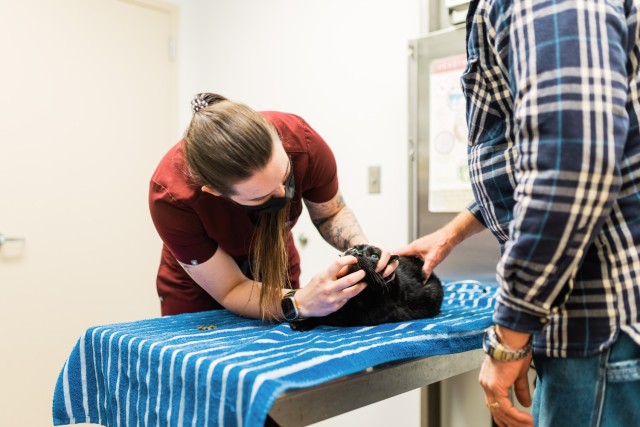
(4, 239)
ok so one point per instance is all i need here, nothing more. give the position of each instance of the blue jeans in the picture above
(597, 391)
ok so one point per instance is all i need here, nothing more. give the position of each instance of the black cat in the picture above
(406, 295)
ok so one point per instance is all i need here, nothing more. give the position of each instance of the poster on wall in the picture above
(449, 183)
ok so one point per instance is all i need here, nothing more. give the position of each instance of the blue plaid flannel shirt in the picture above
(553, 101)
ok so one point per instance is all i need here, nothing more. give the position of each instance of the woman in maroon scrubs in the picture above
(224, 200)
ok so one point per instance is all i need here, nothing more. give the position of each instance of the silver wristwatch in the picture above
(492, 346)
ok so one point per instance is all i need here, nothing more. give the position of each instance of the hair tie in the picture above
(198, 103)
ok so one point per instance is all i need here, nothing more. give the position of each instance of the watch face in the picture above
(289, 308)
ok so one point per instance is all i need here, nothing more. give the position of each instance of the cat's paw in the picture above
(302, 325)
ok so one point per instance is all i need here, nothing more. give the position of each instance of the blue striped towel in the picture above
(217, 369)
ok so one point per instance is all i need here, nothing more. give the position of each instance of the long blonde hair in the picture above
(227, 142)
(269, 263)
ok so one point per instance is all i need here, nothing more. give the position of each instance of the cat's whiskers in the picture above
(377, 277)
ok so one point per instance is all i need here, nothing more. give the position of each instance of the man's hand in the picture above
(496, 378)
(435, 247)
(432, 248)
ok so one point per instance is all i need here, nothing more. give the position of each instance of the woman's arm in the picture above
(339, 227)
(336, 223)
(223, 280)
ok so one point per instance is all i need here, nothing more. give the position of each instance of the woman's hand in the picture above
(331, 289)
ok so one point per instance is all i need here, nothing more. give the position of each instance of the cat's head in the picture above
(368, 257)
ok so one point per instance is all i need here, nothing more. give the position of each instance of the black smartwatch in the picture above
(289, 307)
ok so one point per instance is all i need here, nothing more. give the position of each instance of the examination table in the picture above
(217, 369)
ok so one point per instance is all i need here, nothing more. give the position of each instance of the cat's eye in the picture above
(374, 257)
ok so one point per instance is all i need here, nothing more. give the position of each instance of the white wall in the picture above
(342, 65)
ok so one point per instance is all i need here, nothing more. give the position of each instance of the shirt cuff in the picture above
(517, 320)
(474, 209)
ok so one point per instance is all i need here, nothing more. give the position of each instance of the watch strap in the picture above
(492, 346)
(290, 308)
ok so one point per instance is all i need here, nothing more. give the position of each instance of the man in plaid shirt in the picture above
(553, 105)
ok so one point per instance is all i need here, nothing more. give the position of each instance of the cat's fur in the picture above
(407, 295)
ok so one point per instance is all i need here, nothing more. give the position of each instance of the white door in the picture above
(87, 107)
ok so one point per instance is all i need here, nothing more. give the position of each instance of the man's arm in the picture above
(570, 130)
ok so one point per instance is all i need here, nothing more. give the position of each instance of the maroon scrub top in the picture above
(193, 224)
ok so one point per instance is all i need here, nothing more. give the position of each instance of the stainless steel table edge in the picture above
(301, 407)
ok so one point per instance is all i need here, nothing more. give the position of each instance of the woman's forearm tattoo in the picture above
(341, 230)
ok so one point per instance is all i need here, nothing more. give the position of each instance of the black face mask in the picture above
(274, 204)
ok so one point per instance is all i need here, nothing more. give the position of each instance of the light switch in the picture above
(374, 179)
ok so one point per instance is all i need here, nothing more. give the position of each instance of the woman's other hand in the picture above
(330, 289)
